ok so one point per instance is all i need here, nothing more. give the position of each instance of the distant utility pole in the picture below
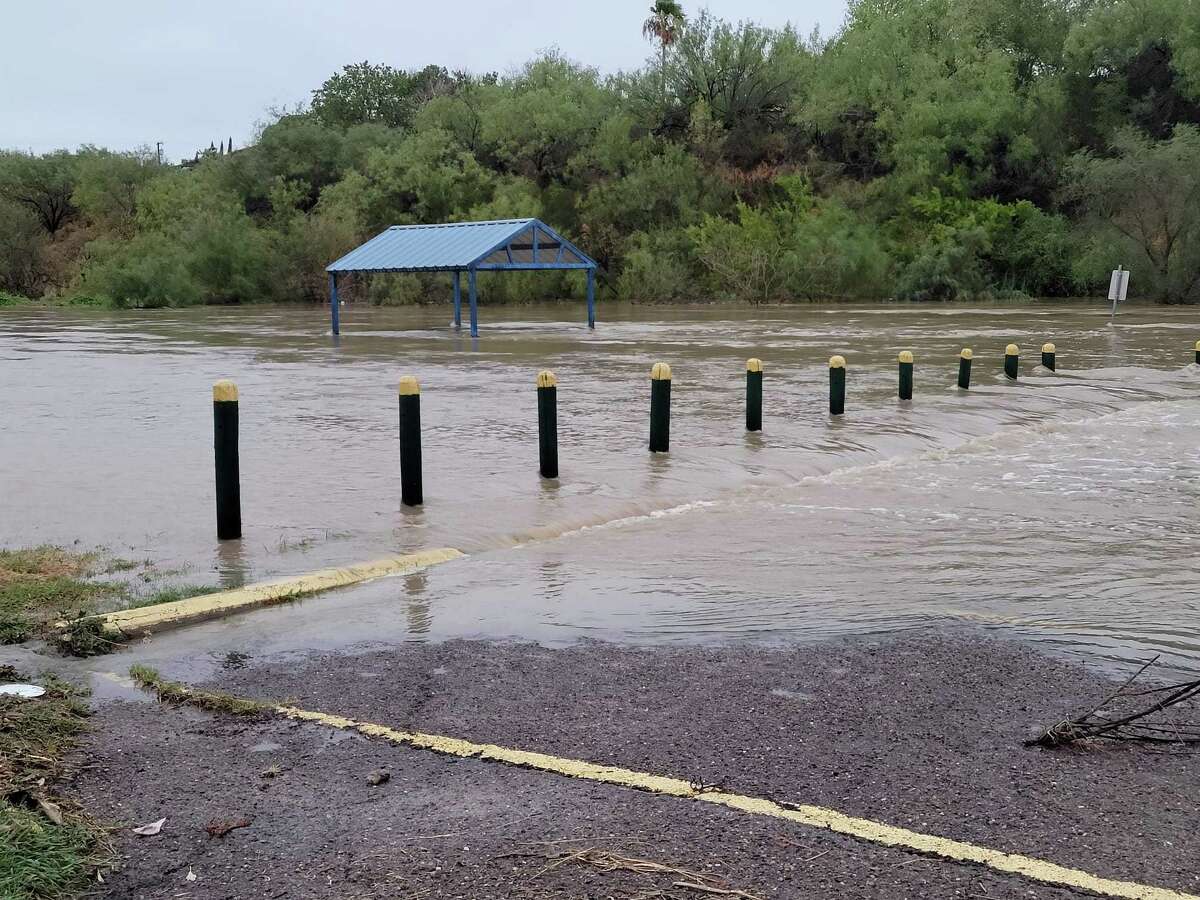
(160, 153)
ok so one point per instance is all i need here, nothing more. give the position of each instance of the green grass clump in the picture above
(177, 692)
(43, 585)
(41, 858)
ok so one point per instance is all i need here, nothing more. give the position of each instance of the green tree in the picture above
(363, 92)
(41, 184)
(664, 25)
(22, 245)
(107, 186)
(1145, 200)
(743, 78)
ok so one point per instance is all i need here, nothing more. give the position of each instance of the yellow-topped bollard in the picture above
(1048, 351)
(837, 385)
(547, 399)
(1012, 357)
(964, 368)
(660, 408)
(906, 374)
(225, 454)
(1198, 353)
(754, 394)
(412, 492)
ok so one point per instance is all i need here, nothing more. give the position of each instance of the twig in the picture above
(706, 889)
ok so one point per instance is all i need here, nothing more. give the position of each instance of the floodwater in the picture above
(1063, 508)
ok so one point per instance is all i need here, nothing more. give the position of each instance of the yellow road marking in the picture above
(147, 619)
(813, 816)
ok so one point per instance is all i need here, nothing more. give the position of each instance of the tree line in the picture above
(929, 150)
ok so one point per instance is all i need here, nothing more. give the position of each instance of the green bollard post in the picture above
(1048, 351)
(411, 489)
(754, 397)
(964, 368)
(547, 401)
(837, 385)
(906, 374)
(1012, 357)
(660, 408)
(225, 452)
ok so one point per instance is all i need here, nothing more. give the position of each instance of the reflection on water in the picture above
(1062, 507)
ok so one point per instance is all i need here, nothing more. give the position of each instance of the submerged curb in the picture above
(149, 619)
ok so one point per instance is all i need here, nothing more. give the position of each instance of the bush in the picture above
(801, 248)
(658, 268)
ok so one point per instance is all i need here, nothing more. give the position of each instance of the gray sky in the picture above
(121, 73)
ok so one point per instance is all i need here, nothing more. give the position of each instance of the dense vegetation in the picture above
(932, 149)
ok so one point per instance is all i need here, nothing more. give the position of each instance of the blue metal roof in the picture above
(461, 246)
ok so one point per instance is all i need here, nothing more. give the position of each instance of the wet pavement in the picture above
(923, 733)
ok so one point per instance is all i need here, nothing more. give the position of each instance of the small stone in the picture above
(377, 778)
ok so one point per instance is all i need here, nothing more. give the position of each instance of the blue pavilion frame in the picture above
(547, 250)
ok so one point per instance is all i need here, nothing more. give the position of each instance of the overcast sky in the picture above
(124, 73)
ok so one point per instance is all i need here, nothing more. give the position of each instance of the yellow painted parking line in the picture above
(812, 816)
(147, 619)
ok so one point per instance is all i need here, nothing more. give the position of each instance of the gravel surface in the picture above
(922, 732)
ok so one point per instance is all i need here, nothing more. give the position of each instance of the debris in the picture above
(219, 828)
(150, 829)
(22, 691)
(606, 861)
(50, 810)
(707, 889)
(191, 876)
(380, 777)
(1123, 716)
(272, 771)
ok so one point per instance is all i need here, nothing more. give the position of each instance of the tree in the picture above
(743, 78)
(107, 186)
(43, 184)
(363, 92)
(1148, 196)
(664, 25)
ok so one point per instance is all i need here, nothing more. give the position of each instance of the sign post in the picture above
(1118, 288)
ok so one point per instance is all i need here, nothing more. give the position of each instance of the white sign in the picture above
(1118, 285)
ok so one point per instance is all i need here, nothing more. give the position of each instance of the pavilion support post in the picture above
(591, 297)
(473, 299)
(333, 303)
(458, 301)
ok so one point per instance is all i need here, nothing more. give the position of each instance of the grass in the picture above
(173, 594)
(49, 848)
(42, 587)
(177, 692)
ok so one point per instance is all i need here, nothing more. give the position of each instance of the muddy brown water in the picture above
(1061, 508)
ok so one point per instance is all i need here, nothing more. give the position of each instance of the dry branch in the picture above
(1124, 716)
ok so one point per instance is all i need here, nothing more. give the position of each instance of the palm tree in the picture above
(664, 25)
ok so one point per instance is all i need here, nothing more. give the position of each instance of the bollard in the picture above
(754, 376)
(1198, 353)
(225, 451)
(964, 368)
(1012, 356)
(906, 374)
(837, 385)
(660, 408)
(547, 401)
(1048, 356)
(411, 492)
